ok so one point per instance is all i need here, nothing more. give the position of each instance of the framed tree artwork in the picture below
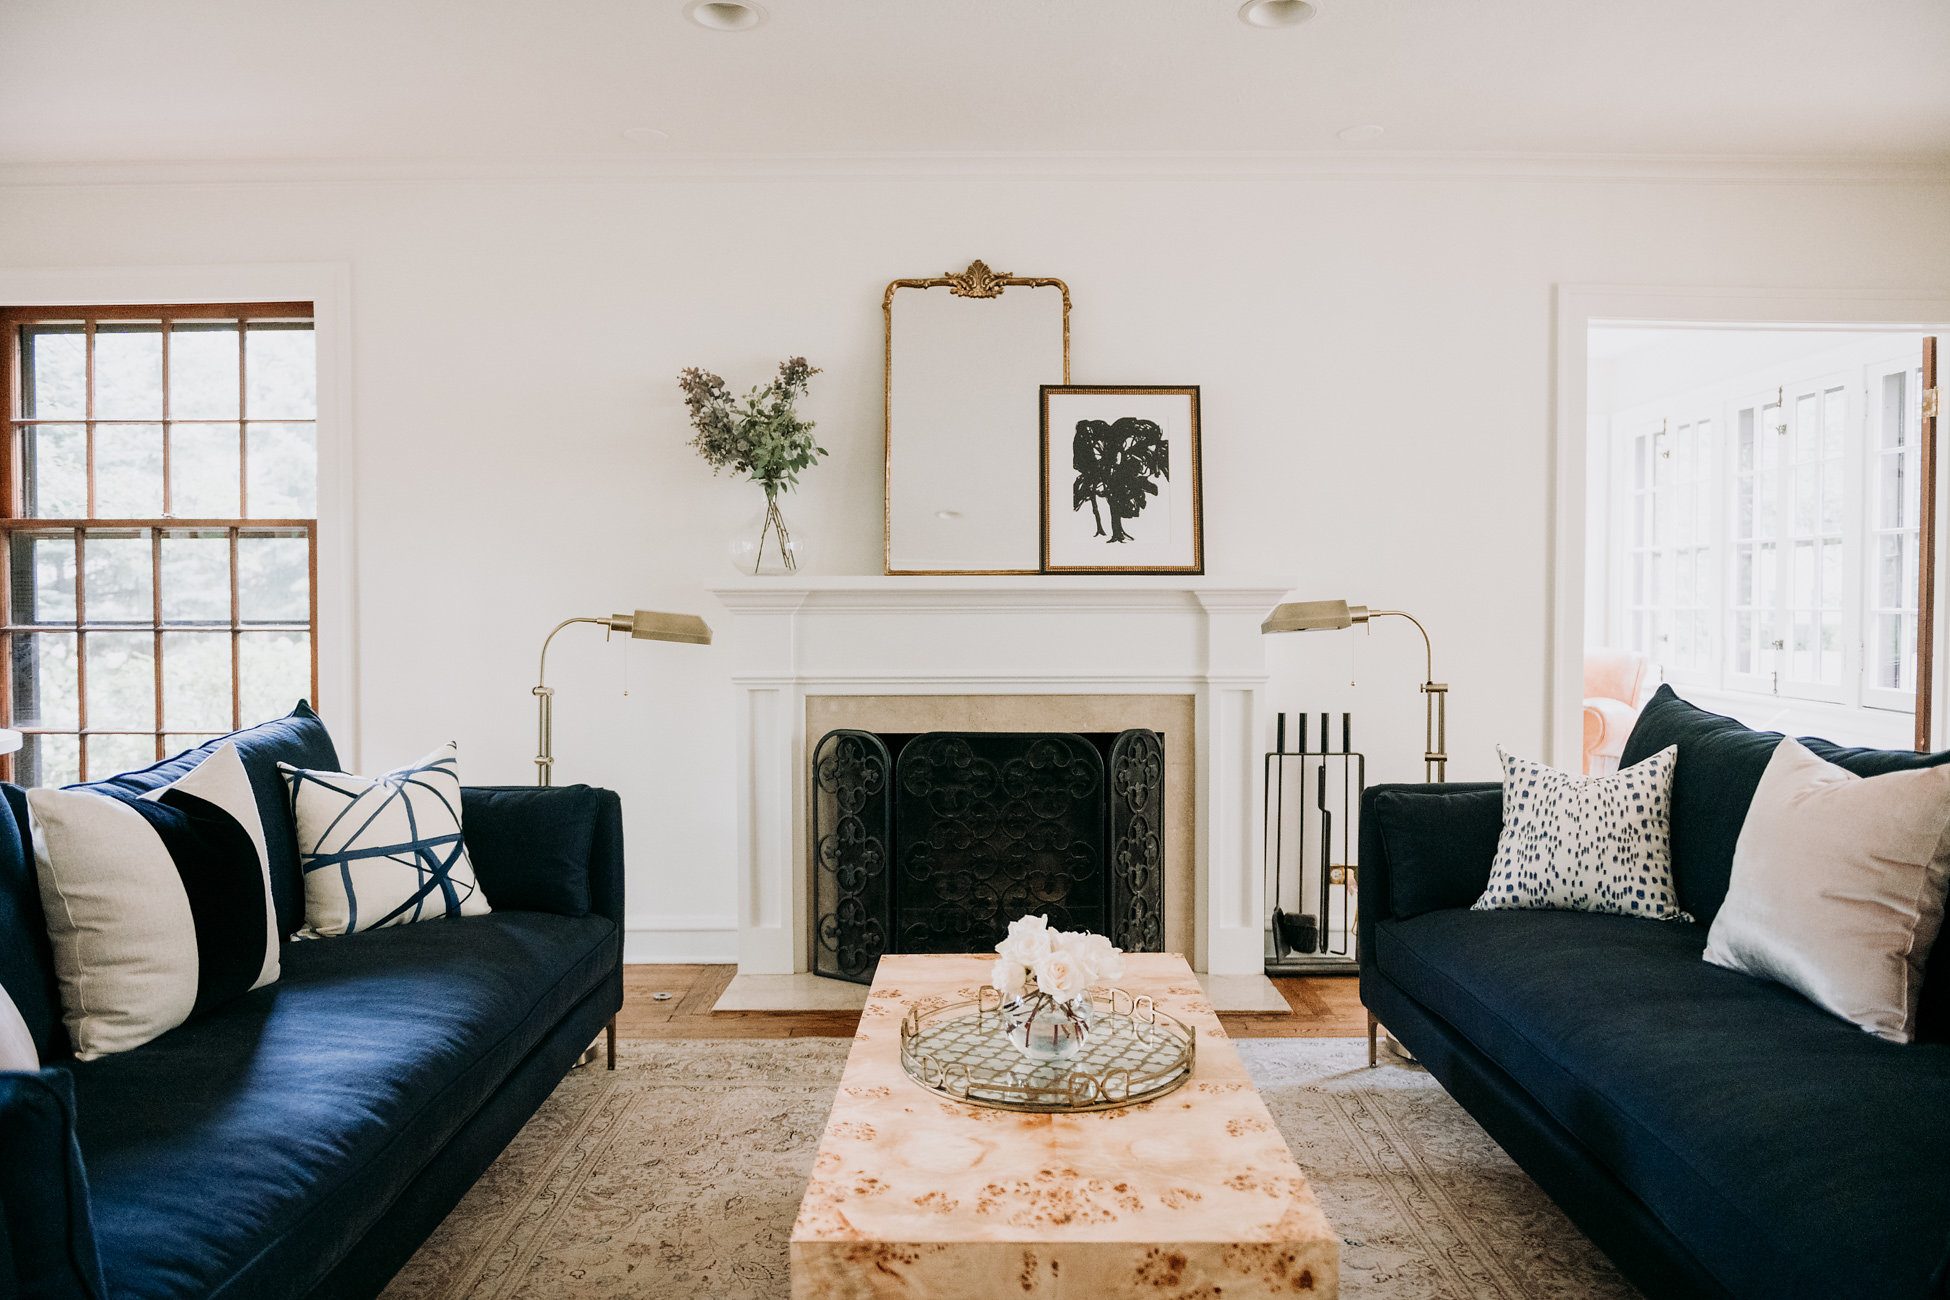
(1121, 490)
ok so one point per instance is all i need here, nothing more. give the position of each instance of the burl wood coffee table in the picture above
(914, 1195)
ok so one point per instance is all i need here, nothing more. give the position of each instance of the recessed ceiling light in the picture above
(1360, 134)
(1276, 13)
(645, 135)
(725, 15)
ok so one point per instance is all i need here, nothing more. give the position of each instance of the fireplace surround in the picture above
(1180, 656)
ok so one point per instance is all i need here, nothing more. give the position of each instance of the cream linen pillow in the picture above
(1837, 888)
(17, 1051)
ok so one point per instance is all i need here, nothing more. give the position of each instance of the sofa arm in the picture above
(47, 1242)
(1425, 847)
(546, 849)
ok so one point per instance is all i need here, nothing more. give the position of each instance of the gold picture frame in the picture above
(1135, 455)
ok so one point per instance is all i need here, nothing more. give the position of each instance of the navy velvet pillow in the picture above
(1440, 846)
(47, 1245)
(1720, 765)
(1720, 762)
(300, 740)
(530, 845)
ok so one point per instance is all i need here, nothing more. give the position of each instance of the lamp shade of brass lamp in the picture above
(1332, 615)
(643, 625)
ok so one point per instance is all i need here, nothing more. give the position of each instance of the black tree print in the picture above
(1118, 463)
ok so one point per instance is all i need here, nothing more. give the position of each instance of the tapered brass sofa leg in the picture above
(1371, 1028)
(610, 1034)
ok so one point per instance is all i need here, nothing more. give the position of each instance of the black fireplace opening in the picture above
(933, 842)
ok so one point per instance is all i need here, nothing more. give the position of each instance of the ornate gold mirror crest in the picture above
(964, 370)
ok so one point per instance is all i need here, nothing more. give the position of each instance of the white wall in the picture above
(1375, 356)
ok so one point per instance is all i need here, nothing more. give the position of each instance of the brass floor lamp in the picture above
(1328, 615)
(643, 625)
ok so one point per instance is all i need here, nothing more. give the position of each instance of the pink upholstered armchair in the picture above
(1616, 683)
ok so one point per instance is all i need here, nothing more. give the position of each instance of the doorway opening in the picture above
(1755, 529)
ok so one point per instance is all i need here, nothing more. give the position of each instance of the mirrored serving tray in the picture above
(1135, 1053)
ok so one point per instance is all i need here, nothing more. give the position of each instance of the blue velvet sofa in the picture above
(304, 1139)
(1715, 1134)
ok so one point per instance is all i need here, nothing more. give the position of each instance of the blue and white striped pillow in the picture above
(381, 851)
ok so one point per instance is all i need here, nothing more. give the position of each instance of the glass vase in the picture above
(768, 547)
(1044, 1029)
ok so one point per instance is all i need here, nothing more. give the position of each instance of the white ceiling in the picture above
(106, 81)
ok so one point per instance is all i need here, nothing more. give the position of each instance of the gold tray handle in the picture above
(983, 1006)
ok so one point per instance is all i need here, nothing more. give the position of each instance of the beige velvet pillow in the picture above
(1837, 888)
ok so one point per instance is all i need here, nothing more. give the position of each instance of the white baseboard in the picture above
(686, 939)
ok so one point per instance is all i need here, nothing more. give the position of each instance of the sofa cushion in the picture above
(47, 1250)
(1585, 843)
(159, 905)
(1720, 764)
(1756, 1127)
(1837, 887)
(384, 850)
(531, 845)
(254, 1147)
(1441, 843)
(301, 740)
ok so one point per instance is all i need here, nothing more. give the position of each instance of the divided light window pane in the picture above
(175, 634)
(128, 372)
(203, 365)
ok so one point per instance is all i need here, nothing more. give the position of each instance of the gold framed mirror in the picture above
(967, 355)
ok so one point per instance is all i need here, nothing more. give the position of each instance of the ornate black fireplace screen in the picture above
(935, 842)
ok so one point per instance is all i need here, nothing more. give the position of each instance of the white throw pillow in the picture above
(383, 850)
(1837, 886)
(1586, 843)
(158, 907)
(17, 1050)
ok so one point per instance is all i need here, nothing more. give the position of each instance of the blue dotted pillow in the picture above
(1586, 843)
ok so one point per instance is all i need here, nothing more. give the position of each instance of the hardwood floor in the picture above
(1322, 1006)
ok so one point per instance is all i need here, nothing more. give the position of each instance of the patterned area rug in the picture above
(679, 1176)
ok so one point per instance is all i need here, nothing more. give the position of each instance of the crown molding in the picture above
(1365, 164)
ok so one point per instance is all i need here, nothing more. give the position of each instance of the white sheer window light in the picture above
(1762, 539)
(1673, 585)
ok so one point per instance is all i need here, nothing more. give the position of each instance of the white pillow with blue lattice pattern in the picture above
(1586, 843)
(382, 850)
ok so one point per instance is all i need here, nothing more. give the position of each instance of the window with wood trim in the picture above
(160, 529)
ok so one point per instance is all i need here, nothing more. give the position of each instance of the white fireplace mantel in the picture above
(790, 638)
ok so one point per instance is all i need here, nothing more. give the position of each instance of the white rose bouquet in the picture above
(1059, 964)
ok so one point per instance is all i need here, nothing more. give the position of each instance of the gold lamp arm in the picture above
(545, 695)
(641, 625)
(1435, 719)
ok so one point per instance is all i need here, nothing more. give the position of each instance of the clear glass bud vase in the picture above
(1044, 1029)
(767, 546)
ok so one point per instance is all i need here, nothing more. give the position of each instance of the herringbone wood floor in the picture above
(1321, 1006)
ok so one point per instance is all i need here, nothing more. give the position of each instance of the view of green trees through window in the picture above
(161, 530)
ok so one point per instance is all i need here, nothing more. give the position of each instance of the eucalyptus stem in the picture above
(775, 521)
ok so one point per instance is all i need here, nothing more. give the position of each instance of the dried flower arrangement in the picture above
(759, 435)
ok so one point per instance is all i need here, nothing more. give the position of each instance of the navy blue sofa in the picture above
(304, 1139)
(1715, 1134)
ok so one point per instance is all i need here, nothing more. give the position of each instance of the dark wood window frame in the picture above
(14, 520)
